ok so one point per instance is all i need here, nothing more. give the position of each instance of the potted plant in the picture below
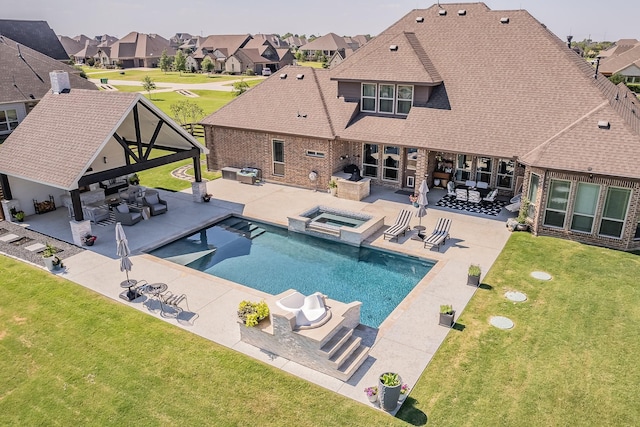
(251, 313)
(404, 392)
(372, 393)
(89, 239)
(19, 216)
(414, 200)
(522, 215)
(51, 261)
(333, 187)
(134, 179)
(207, 197)
(447, 313)
(389, 389)
(473, 276)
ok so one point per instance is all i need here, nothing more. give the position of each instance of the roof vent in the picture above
(283, 75)
(420, 19)
(442, 12)
(393, 47)
(462, 12)
(604, 124)
(504, 20)
(300, 76)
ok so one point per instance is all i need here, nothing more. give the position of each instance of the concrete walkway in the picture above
(405, 341)
(224, 86)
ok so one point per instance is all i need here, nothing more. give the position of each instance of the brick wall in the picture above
(627, 242)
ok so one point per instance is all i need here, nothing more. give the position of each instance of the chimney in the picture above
(595, 76)
(60, 82)
(569, 38)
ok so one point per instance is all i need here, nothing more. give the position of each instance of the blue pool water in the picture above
(272, 259)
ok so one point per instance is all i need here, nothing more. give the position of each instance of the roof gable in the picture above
(35, 34)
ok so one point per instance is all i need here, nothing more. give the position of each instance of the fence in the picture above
(195, 129)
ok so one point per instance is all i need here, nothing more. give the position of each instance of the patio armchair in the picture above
(95, 214)
(461, 194)
(491, 197)
(451, 188)
(155, 203)
(126, 215)
(474, 196)
(400, 226)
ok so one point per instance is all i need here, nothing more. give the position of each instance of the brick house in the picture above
(435, 104)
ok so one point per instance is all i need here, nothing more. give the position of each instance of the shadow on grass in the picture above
(485, 287)
(458, 327)
(410, 414)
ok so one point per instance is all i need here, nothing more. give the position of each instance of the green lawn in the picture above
(311, 64)
(571, 358)
(73, 357)
(158, 75)
(208, 100)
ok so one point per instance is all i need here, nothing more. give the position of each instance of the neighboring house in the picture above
(139, 50)
(256, 55)
(192, 63)
(72, 45)
(24, 80)
(34, 34)
(273, 39)
(564, 138)
(295, 42)
(338, 57)
(626, 63)
(82, 49)
(327, 44)
(179, 39)
(87, 137)
(621, 46)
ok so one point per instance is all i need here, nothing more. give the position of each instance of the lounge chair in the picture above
(310, 311)
(461, 194)
(155, 204)
(126, 215)
(491, 197)
(400, 226)
(439, 235)
(171, 306)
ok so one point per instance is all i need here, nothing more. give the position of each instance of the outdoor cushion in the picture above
(123, 208)
(470, 183)
(481, 184)
(152, 199)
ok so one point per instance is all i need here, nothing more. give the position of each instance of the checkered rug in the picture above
(112, 217)
(484, 208)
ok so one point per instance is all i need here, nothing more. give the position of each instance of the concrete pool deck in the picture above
(405, 342)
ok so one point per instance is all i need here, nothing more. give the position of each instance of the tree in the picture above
(180, 62)
(207, 64)
(148, 85)
(616, 78)
(240, 87)
(186, 112)
(165, 62)
(286, 35)
(300, 56)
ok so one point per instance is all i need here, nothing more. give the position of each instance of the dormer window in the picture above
(386, 98)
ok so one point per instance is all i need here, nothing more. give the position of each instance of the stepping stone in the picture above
(515, 296)
(501, 322)
(35, 247)
(10, 238)
(541, 275)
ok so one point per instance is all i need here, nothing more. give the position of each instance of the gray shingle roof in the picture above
(24, 73)
(615, 64)
(494, 100)
(329, 41)
(35, 34)
(69, 130)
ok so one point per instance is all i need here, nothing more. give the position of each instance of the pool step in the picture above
(242, 226)
(336, 341)
(345, 351)
(323, 230)
(354, 361)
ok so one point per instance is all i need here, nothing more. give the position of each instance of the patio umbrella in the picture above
(123, 252)
(422, 202)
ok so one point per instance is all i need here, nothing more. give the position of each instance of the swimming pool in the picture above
(272, 259)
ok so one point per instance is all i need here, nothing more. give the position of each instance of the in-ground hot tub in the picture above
(336, 224)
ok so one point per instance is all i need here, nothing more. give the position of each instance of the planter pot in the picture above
(373, 399)
(48, 262)
(333, 191)
(415, 204)
(402, 397)
(473, 281)
(522, 227)
(447, 319)
(389, 395)
(89, 242)
(206, 199)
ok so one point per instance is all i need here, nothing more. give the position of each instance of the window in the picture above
(483, 169)
(506, 169)
(614, 212)
(391, 163)
(412, 159)
(312, 153)
(368, 97)
(463, 167)
(534, 183)
(637, 235)
(556, 211)
(370, 160)
(8, 120)
(386, 98)
(405, 99)
(586, 202)
(278, 157)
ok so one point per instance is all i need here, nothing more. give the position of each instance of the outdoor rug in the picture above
(484, 208)
(112, 217)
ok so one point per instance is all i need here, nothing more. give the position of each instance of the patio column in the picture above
(197, 170)
(77, 205)
(6, 188)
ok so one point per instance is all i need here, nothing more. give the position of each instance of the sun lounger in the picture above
(400, 226)
(439, 235)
